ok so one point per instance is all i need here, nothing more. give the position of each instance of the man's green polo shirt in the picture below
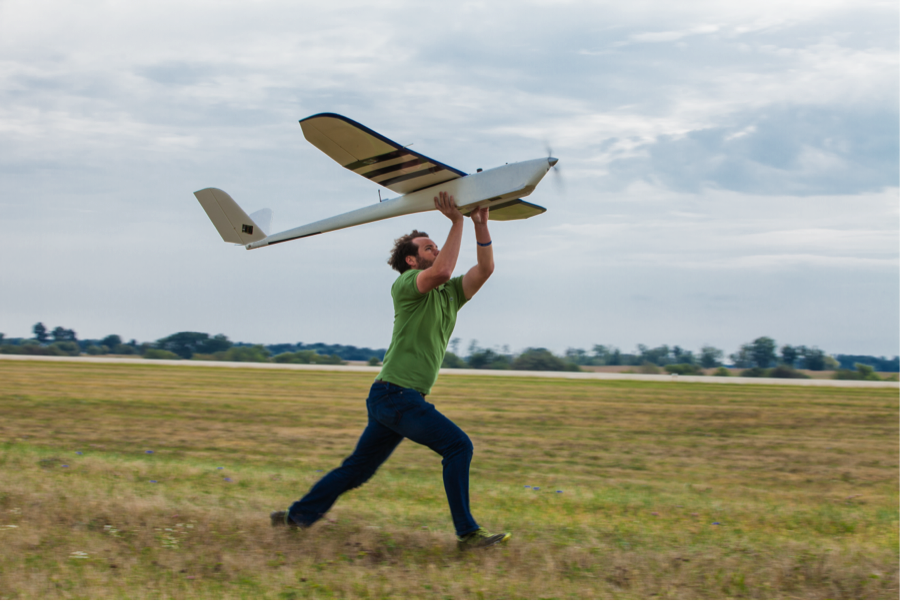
(423, 324)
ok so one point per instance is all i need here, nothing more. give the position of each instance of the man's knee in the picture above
(468, 447)
(461, 445)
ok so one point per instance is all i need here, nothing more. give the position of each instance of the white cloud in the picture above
(671, 36)
(112, 113)
(718, 230)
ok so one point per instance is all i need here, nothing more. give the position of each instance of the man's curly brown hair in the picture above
(405, 247)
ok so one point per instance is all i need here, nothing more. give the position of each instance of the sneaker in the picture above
(481, 538)
(280, 518)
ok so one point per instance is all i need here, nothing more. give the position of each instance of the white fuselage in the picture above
(487, 188)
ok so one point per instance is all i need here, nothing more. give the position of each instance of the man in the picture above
(426, 300)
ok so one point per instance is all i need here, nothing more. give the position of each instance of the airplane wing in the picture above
(515, 209)
(363, 151)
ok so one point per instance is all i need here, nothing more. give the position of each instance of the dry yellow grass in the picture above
(802, 484)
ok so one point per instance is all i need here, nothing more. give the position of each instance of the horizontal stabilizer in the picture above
(262, 218)
(515, 209)
(232, 222)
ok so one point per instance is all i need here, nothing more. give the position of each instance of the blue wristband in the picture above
(485, 244)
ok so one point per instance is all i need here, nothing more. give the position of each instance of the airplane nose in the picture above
(553, 161)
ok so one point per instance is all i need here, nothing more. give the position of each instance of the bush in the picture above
(98, 350)
(540, 359)
(374, 361)
(878, 363)
(683, 369)
(111, 341)
(66, 348)
(754, 372)
(785, 371)
(32, 347)
(306, 357)
(503, 362)
(863, 372)
(327, 359)
(245, 354)
(185, 344)
(710, 357)
(158, 353)
(22, 349)
(451, 360)
(488, 359)
(781, 371)
(649, 368)
(722, 372)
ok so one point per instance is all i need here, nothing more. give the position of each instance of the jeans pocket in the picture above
(386, 410)
(388, 403)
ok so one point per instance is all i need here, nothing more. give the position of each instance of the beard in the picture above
(423, 264)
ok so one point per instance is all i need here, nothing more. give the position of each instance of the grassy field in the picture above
(667, 490)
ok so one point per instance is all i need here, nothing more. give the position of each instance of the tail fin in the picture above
(232, 222)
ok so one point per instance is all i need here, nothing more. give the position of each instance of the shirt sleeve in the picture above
(405, 288)
(458, 292)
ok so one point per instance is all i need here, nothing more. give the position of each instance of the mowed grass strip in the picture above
(668, 490)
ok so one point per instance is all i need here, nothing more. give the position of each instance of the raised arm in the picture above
(478, 275)
(445, 260)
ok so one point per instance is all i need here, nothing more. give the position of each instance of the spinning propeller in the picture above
(557, 174)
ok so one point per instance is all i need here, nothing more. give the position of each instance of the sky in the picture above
(727, 170)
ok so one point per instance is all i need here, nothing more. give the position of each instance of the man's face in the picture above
(428, 252)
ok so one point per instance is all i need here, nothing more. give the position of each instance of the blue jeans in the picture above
(396, 413)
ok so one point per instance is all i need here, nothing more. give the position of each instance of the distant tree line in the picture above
(181, 345)
(345, 352)
(601, 354)
(762, 352)
(877, 363)
(62, 342)
(760, 358)
(531, 359)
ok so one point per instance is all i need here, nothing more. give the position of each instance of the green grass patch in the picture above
(668, 489)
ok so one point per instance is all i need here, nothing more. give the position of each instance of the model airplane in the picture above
(393, 166)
